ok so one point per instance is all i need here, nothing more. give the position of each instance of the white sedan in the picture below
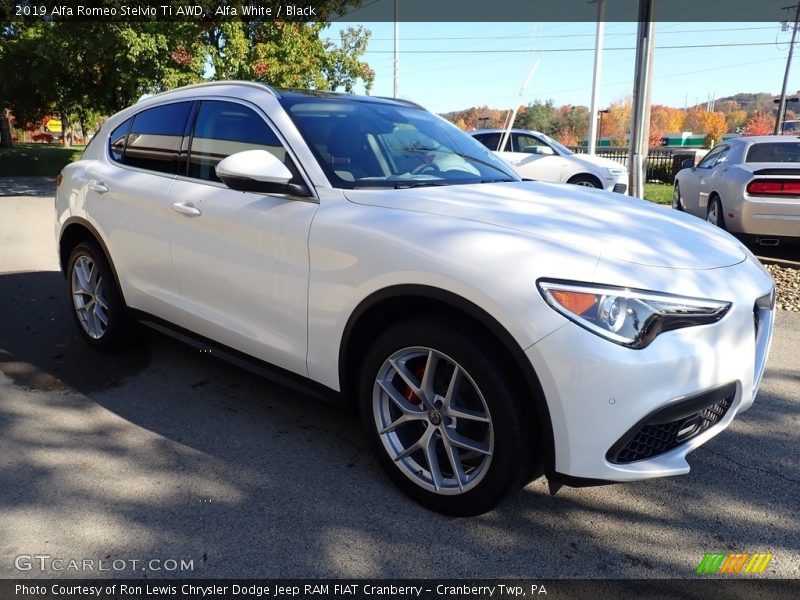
(537, 156)
(487, 329)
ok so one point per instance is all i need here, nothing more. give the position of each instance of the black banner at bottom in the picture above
(398, 589)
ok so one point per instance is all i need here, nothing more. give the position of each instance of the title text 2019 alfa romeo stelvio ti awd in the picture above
(487, 329)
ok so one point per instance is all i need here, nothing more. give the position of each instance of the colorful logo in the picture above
(739, 562)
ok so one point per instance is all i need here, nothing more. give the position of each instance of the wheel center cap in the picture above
(435, 417)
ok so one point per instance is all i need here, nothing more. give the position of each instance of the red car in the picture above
(42, 137)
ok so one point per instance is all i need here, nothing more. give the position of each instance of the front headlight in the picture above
(628, 317)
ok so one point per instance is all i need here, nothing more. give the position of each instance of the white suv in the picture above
(537, 156)
(487, 329)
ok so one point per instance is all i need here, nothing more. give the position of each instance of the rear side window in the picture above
(225, 128)
(116, 141)
(490, 140)
(154, 140)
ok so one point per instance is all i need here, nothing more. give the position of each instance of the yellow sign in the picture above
(53, 125)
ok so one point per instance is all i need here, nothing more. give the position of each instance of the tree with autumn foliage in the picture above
(712, 124)
(759, 124)
(616, 123)
(665, 120)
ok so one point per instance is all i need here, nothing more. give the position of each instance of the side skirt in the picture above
(287, 379)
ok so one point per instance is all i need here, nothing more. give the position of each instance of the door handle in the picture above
(187, 209)
(98, 186)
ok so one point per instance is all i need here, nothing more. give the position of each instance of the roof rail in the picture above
(205, 84)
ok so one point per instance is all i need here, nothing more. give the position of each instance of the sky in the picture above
(453, 66)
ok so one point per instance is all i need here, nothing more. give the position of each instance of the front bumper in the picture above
(601, 395)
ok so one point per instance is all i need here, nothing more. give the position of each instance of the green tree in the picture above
(77, 69)
(538, 116)
(284, 54)
(572, 124)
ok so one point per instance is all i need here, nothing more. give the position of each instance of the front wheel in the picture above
(586, 181)
(448, 422)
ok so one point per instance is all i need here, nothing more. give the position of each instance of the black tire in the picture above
(676, 198)
(120, 330)
(515, 451)
(586, 181)
(714, 214)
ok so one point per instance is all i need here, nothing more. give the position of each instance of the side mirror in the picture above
(258, 171)
(687, 164)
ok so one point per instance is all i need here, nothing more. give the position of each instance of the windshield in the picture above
(560, 148)
(788, 152)
(368, 144)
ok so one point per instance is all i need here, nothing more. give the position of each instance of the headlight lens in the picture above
(628, 317)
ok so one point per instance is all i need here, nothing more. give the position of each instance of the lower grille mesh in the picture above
(654, 438)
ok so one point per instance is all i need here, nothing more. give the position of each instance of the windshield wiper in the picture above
(401, 185)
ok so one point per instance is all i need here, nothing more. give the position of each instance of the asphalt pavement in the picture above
(166, 453)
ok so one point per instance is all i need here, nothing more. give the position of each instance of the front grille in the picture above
(668, 428)
(620, 188)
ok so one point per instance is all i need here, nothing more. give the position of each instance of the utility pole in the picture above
(504, 137)
(782, 103)
(396, 49)
(640, 125)
(598, 62)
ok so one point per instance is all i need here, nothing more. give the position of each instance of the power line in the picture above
(670, 75)
(675, 47)
(572, 35)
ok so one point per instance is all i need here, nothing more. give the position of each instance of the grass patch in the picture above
(660, 193)
(30, 160)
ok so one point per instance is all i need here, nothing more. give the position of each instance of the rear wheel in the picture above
(448, 423)
(95, 302)
(714, 214)
(677, 203)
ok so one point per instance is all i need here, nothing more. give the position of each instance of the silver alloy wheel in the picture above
(713, 213)
(433, 420)
(585, 183)
(88, 296)
(676, 198)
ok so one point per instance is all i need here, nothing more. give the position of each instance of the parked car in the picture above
(487, 329)
(746, 185)
(46, 138)
(537, 156)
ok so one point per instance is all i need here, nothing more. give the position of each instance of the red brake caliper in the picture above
(409, 393)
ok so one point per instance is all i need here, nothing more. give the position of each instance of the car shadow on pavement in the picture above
(170, 452)
(40, 346)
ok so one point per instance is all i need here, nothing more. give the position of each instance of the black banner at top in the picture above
(772, 11)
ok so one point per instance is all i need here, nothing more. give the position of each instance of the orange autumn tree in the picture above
(616, 122)
(759, 124)
(664, 120)
(712, 124)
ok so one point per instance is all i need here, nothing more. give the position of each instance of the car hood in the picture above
(597, 161)
(604, 223)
